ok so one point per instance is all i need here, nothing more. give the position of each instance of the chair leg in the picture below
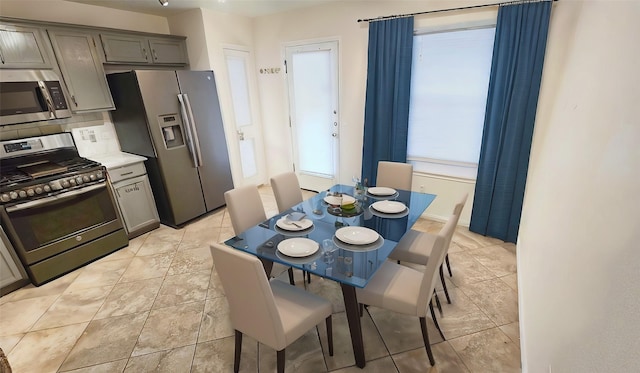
(361, 307)
(444, 286)
(435, 320)
(291, 280)
(329, 335)
(425, 337)
(446, 258)
(308, 277)
(238, 352)
(438, 302)
(280, 361)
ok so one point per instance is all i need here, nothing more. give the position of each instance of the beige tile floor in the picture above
(157, 306)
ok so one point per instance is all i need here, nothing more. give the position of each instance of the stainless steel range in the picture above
(55, 206)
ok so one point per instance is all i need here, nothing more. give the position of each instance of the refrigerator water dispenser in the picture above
(171, 131)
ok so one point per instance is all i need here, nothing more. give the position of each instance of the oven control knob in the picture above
(79, 180)
(92, 177)
(65, 184)
(54, 185)
(39, 190)
(86, 179)
(31, 192)
(46, 188)
(5, 197)
(13, 195)
(22, 194)
(100, 175)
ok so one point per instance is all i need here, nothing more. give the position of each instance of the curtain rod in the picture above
(381, 18)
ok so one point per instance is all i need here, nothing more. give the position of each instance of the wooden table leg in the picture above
(353, 317)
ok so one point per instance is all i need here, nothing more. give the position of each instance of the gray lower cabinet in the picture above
(135, 199)
(23, 48)
(132, 49)
(12, 274)
(82, 70)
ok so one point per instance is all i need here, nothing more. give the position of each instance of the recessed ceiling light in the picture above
(164, 2)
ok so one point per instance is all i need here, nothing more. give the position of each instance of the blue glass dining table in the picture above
(350, 265)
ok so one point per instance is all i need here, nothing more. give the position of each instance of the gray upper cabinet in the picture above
(82, 70)
(133, 49)
(23, 48)
(168, 51)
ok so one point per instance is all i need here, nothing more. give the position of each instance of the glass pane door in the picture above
(312, 72)
(247, 131)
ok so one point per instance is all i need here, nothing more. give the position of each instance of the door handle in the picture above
(334, 134)
(240, 135)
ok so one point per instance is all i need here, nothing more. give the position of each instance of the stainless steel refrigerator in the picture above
(173, 118)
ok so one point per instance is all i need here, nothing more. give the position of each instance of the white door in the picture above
(248, 150)
(312, 74)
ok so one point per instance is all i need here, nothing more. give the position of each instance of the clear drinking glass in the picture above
(328, 249)
(348, 266)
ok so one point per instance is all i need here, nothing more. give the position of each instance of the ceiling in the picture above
(249, 8)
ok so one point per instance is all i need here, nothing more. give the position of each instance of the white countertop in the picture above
(115, 160)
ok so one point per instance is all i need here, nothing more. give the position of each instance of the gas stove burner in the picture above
(13, 178)
(38, 167)
(43, 169)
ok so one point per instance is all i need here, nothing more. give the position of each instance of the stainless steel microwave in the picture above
(31, 95)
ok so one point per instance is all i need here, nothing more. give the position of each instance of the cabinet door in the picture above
(23, 48)
(82, 70)
(11, 272)
(136, 203)
(168, 51)
(125, 48)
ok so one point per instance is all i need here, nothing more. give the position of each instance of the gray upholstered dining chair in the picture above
(245, 210)
(407, 290)
(286, 189)
(408, 251)
(395, 175)
(272, 312)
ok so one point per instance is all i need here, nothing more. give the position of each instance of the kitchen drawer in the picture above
(126, 172)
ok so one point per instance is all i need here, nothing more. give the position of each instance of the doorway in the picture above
(248, 143)
(312, 79)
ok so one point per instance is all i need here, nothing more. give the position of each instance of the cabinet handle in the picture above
(144, 50)
(126, 173)
(2, 57)
(73, 98)
(155, 56)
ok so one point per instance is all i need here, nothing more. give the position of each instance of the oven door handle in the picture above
(45, 200)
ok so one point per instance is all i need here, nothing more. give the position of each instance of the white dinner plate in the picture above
(288, 225)
(333, 200)
(389, 207)
(369, 247)
(300, 260)
(381, 191)
(384, 215)
(357, 235)
(298, 247)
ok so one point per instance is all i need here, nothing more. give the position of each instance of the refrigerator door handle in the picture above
(194, 131)
(187, 127)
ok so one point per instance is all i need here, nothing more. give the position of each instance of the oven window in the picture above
(43, 224)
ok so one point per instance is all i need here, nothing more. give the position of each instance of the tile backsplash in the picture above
(96, 140)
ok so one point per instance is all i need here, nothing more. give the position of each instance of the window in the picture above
(449, 84)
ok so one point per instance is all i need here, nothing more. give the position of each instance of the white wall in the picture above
(81, 14)
(578, 251)
(339, 21)
(207, 33)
